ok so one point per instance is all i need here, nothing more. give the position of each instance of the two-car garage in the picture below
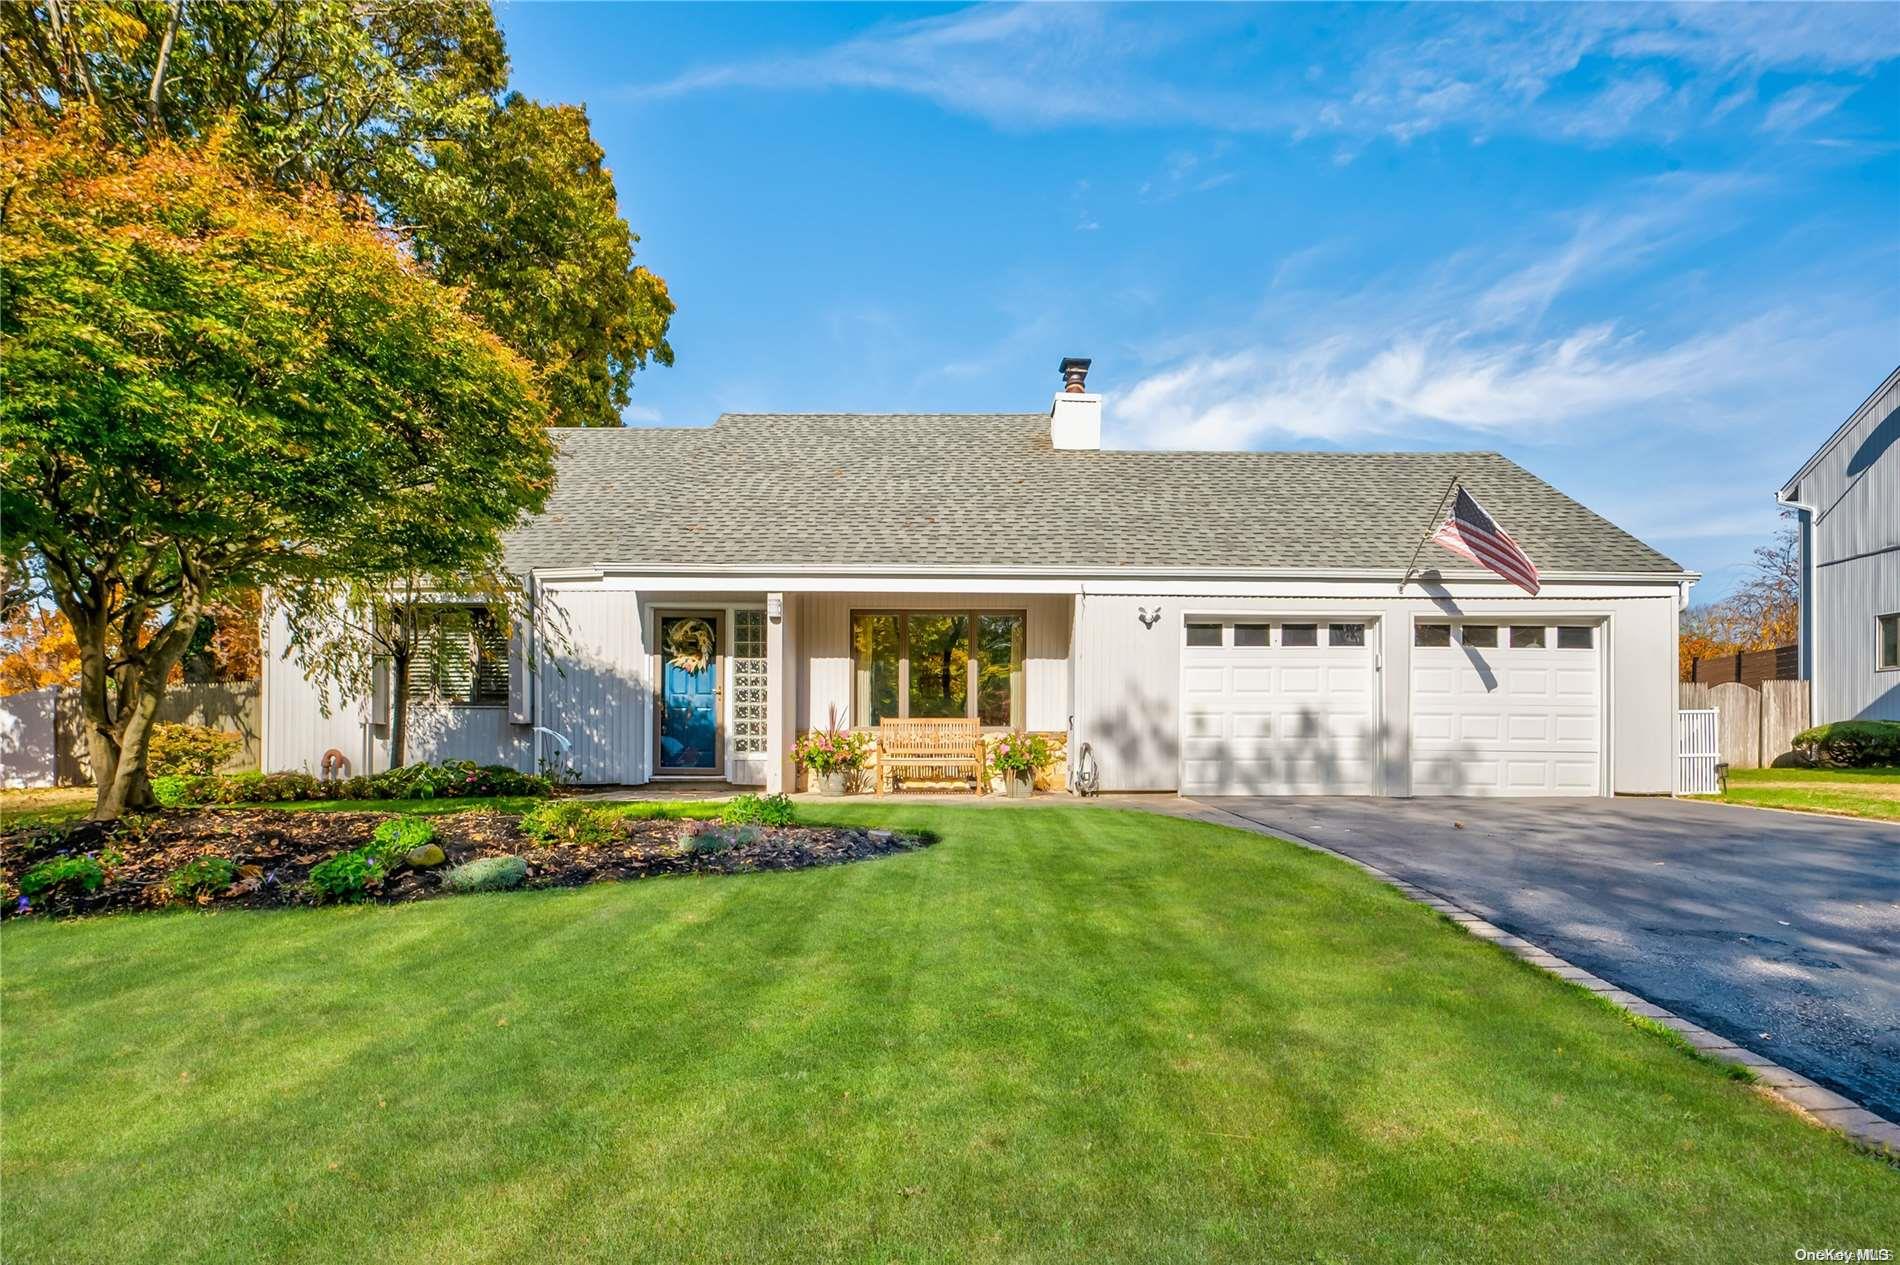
(1298, 706)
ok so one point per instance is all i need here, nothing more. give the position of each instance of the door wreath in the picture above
(689, 644)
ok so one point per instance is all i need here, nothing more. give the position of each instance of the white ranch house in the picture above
(1205, 622)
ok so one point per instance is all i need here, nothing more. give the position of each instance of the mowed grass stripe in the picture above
(1059, 1034)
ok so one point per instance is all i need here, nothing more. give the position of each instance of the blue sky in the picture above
(1649, 253)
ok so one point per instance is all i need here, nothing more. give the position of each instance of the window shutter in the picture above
(520, 650)
(490, 653)
(379, 690)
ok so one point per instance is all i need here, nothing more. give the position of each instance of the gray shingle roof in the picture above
(932, 490)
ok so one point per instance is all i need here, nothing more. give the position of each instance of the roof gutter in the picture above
(601, 570)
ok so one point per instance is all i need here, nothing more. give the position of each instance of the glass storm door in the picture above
(689, 694)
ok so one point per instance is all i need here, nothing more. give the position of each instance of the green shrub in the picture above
(239, 788)
(488, 874)
(63, 877)
(350, 875)
(400, 836)
(453, 779)
(568, 822)
(1851, 744)
(206, 875)
(191, 749)
(756, 810)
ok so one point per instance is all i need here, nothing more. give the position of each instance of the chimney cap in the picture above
(1075, 374)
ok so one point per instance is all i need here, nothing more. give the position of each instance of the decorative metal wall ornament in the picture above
(1147, 620)
(689, 644)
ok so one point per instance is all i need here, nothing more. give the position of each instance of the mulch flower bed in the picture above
(276, 850)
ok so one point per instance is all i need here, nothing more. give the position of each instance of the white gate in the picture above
(1697, 752)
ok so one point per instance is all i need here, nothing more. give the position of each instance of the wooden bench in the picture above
(931, 750)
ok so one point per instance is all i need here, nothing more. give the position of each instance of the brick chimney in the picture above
(1075, 419)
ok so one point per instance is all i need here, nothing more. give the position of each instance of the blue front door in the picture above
(689, 694)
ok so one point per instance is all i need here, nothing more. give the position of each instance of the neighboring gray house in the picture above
(1847, 498)
(1204, 621)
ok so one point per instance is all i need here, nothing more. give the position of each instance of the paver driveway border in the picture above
(1817, 1103)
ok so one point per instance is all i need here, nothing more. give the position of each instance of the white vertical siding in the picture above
(1854, 537)
(1641, 673)
(824, 634)
(595, 686)
(1128, 683)
(482, 734)
(296, 733)
(1848, 598)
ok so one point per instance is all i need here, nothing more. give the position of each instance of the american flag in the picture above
(1468, 530)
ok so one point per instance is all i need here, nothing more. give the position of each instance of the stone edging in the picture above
(1822, 1105)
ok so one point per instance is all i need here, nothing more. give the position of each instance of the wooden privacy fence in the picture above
(1750, 667)
(43, 733)
(1754, 727)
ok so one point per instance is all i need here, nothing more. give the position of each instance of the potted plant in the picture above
(1017, 757)
(830, 755)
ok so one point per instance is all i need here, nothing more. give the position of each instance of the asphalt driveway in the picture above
(1780, 931)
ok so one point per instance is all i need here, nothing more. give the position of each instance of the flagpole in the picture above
(1429, 529)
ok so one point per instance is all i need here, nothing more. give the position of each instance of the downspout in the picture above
(1805, 518)
(1075, 679)
(530, 664)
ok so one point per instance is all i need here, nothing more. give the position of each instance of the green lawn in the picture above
(1851, 792)
(1060, 1034)
(48, 805)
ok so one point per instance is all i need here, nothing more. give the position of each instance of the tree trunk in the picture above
(154, 107)
(119, 729)
(95, 699)
(399, 708)
(130, 789)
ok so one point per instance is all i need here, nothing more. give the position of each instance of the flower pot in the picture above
(831, 783)
(1019, 785)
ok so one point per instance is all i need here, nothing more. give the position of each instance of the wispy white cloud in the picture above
(1359, 386)
(1588, 73)
(1603, 245)
(1467, 350)
(1800, 106)
(1189, 171)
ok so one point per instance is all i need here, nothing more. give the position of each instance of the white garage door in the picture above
(1278, 708)
(1506, 709)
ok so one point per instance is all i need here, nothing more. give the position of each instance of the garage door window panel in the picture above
(1203, 635)
(1299, 634)
(1575, 637)
(1254, 635)
(1345, 634)
(1527, 637)
(1484, 636)
(1431, 635)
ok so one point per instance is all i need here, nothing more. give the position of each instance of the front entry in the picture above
(690, 742)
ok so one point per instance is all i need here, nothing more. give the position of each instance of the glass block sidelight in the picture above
(748, 682)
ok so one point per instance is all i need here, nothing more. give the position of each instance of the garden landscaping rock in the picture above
(275, 851)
